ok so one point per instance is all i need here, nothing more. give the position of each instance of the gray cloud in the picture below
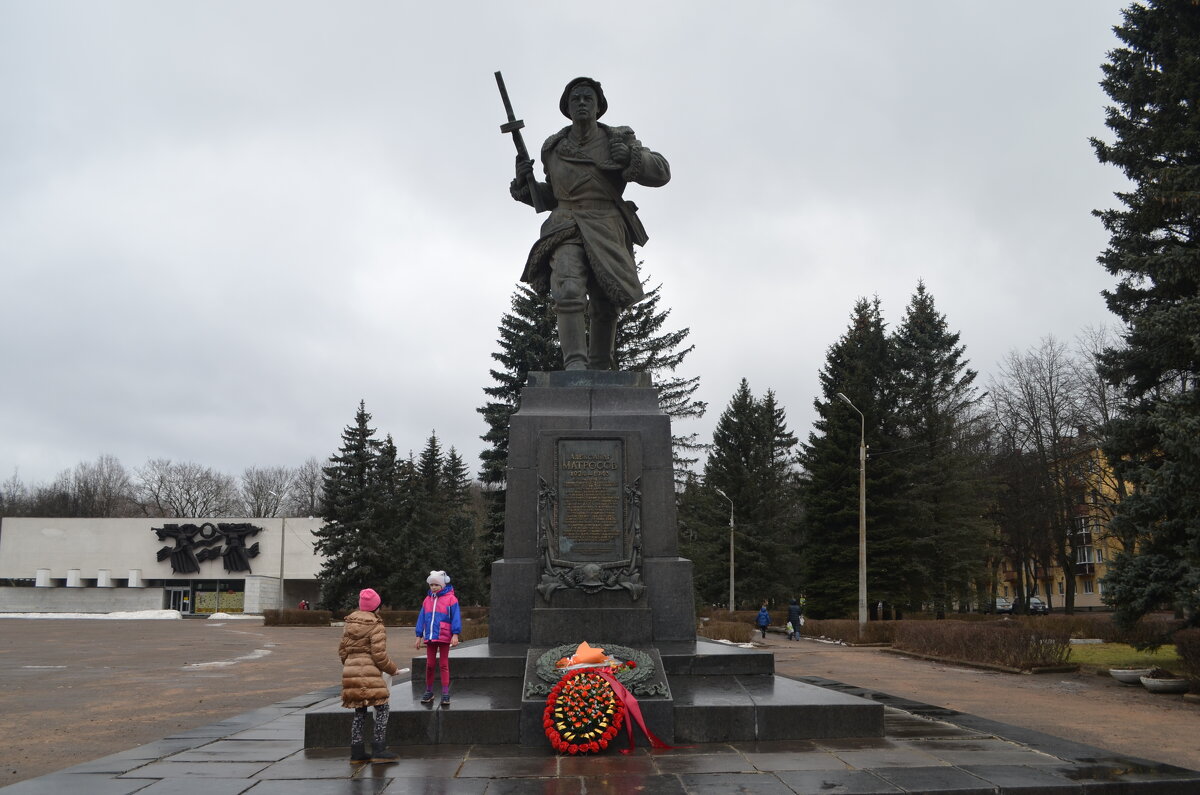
(223, 224)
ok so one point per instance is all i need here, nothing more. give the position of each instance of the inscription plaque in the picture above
(589, 518)
(590, 480)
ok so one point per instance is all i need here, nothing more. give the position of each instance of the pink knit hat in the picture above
(368, 600)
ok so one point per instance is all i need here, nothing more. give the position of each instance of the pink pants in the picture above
(437, 655)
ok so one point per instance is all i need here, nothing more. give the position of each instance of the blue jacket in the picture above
(764, 618)
(439, 618)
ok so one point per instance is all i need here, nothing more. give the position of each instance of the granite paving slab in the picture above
(935, 779)
(437, 786)
(212, 786)
(724, 783)
(847, 782)
(927, 750)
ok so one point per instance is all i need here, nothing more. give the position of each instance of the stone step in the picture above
(482, 711)
(479, 659)
(738, 708)
(491, 711)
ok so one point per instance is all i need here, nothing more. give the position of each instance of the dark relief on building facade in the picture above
(195, 544)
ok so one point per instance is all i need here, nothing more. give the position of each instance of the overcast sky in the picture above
(222, 224)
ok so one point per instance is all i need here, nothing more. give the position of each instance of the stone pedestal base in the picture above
(715, 693)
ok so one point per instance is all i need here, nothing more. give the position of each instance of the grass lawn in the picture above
(1119, 655)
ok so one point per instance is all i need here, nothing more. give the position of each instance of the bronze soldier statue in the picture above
(584, 256)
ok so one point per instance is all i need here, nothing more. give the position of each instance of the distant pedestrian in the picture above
(764, 619)
(794, 614)
(365, 660)
(438, 628)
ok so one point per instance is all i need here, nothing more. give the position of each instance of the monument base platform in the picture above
(715, 693)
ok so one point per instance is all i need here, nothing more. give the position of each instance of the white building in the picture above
(198, 566)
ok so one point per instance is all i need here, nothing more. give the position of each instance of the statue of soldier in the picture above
(584, 256)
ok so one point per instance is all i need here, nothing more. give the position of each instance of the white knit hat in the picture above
(438, 578)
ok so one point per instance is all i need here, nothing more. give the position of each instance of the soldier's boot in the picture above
(572, 339)
(602, 337)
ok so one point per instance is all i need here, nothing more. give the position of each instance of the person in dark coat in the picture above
(794, 619)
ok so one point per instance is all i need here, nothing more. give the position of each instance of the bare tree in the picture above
(1102, 402)
(14, 496)
(307, 482)
(103, 488)
(266, 490)
(1038, 405)
(185, 490)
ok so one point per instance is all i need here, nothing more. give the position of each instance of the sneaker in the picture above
(427, 698)
(445, 699)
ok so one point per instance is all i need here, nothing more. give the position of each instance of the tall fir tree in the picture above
(858, 365)
(429, 537)
(345, 537)
(462, 536)
(943, 441)
(528, 343)
(644, 346)
(1154, 252)
(390, 559)
(751, 460)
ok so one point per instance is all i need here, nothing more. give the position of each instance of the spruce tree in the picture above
(858, 365)
(1154, 253)
(462, 542)
(528, 343)
(643, 346)
(942, 443)
(344, 538)
(430, 521)
(751, 460)
(387, 562)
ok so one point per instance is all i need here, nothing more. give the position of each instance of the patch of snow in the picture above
(254, 655)
(140, 615)
(235, 616)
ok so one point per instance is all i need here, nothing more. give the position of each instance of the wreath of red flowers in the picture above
(582, 713)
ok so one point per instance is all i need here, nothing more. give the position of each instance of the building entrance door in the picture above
(180, 599)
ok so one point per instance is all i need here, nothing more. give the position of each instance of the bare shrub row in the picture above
(1013, 644)
(846, 631)
(292, 617)
(735, 631)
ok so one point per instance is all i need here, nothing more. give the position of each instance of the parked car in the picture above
(1002, 605)
(1036, 607)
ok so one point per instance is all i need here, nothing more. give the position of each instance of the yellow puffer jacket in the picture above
(364, 656)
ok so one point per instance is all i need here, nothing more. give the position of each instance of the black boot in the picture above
(380, 753)
(572, 339)
(358, 753)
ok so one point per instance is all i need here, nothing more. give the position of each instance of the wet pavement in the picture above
(925, 748)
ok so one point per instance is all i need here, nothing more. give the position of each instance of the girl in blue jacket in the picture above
(438, 627)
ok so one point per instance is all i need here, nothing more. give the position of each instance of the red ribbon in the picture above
(634, 713)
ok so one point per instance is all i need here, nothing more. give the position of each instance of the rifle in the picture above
(514, 126)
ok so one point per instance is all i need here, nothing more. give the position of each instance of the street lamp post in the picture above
(282, 543)
(726, 496)
(862, 518)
